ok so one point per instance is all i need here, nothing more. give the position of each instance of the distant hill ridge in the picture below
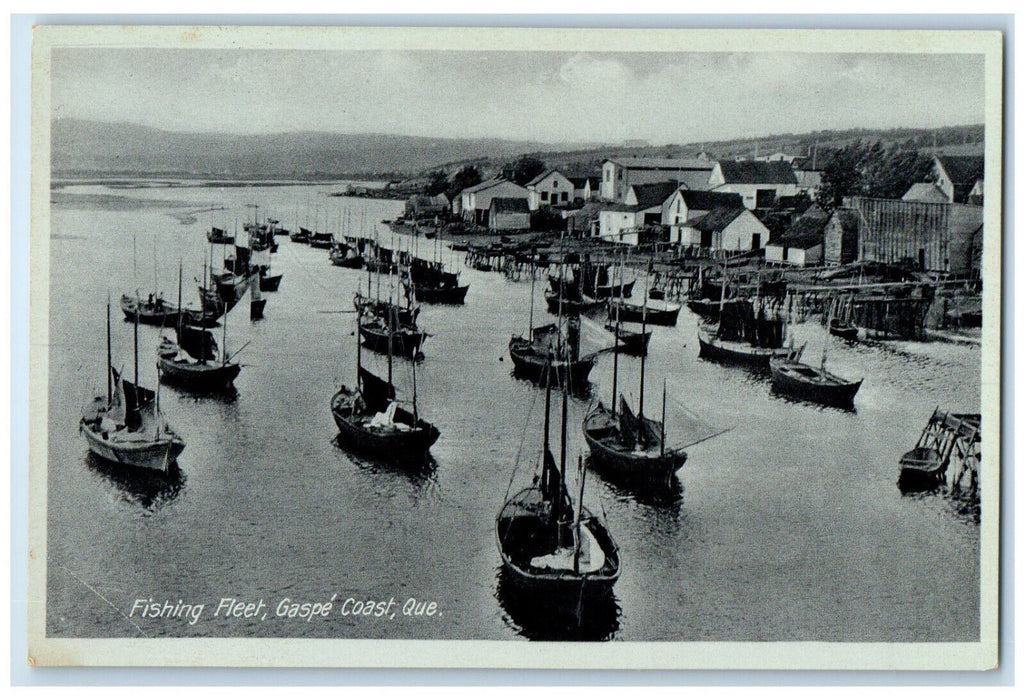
(96, 149)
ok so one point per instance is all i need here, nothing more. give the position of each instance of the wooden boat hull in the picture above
(805, 382)
(320, 241)
(541, 369)
(352, 263)
(441, 295)
(406, 316)
(571, 307)
(355, 435)
(197, 377)
(270, 283)
(517, 530)
(165, 317)
(612, 459)
(629, 313)
(704, 307)
(845, 332)
(404, 343)
(735, 353)
(152, 455)
(921, 468)
(631, 342)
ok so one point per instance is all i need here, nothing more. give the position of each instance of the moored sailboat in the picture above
(126, 426)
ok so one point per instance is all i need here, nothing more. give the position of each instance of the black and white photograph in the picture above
(422, 346)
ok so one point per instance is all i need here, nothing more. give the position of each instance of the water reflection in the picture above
(143, 487)
(419, 469)
(666, 498)
(791, 399)
(541, 618)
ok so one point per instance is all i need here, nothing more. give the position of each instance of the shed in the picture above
(509, 214)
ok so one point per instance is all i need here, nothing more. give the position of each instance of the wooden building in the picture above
(802, 243)
(731, 229)
(509, 214)
(475, 202)
(760, 183)
(618, 174)
(928, 236)
(840, 238)
(550, 189)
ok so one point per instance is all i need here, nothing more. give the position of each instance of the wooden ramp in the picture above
(951, 435)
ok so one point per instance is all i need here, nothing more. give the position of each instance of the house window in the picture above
(565, 196)
(555, 184)
(544, 196)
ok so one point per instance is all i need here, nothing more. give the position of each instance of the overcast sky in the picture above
(658, 97)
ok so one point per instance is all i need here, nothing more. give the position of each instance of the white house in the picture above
(644, 206)
(592, 189)
(759, 182)
(618, 174)
(733, 229)
(475, 202)
(685, 205)
(550, 188)
(956, 176)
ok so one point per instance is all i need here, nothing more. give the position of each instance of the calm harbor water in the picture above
(788, 527)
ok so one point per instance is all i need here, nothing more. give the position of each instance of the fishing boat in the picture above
(378, 307)
(300, 235)
(925, 465)
(218, 236)
(371, 421)
(344, 255)
(321, 239)
(843, 329)
(126, 426)
(153, 311)
(630, 342)
(549, 547)
(655, 312)
(429, 283)
(750, 332)
(193, 360)
(269, 282)
(396, 338)
(795, 378)
(551, 357)
(571, 305)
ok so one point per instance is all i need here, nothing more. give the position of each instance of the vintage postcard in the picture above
(551, 348)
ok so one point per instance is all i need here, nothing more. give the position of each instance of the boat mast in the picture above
(416, 415)
(662, 431)
(224, 336)
(644, 329)
(562, 450)
(359, 366)
(137, 345)
(615, 349)
(825, 343)
(530, 325)
(391, 334)
(580, 509)
(110, 390)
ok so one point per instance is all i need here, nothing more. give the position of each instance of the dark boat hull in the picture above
(653, 317)
(542, 369)
(165, 317)
(920, 469)
(197, 377)
(704, 307)
(154, 455)
(734, 353)
(519, 528)
(621, 463)
(352, 263)
(571, 307)
(441, 295)
(404, 342)
(406, 316)
(354, 434)
(256, 308)
(631, 342)
(270, 283)
(826, 389)
(845, 332)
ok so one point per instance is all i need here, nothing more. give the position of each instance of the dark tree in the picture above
(466, 177)
(436, 184)
(841, 176)
(526, 168)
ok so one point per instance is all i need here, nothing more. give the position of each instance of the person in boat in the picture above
(159, 301)
(150, 302)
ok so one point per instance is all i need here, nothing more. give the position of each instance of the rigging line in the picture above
(101, 597)
(519, 449)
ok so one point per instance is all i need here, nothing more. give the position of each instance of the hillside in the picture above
(104, 149)
(93, 148)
